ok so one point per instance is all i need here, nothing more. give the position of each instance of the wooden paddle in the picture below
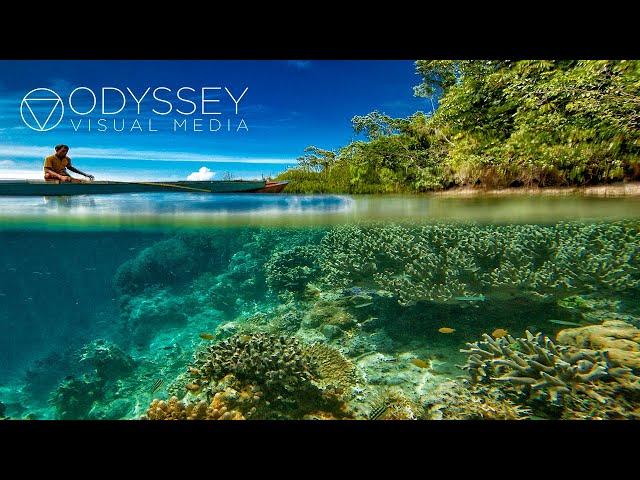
(169, 185)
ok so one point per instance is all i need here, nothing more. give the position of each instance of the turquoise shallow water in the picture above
(106, 302)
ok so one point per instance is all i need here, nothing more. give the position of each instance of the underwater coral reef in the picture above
(361, 321)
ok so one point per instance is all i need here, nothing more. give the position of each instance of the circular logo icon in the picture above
(41, 109)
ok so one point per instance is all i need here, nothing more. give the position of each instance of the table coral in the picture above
(439, 262)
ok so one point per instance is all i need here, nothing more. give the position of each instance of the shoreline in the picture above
(620, 189)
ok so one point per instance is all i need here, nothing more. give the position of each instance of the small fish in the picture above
(207, 336)
(475, 298)
(11, 269)
(90, 269)
(362, 305)
(3, 294)
(446, 330)
(168, 347)
(564, 322)
(192, 387)
(37, 273)
(499, 333)
(378, 412)
(194, 371)
(420, 363)
(156, 385)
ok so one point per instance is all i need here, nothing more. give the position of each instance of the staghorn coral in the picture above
(454, 400)
(618, 339)
(539, 372)
(439, 262)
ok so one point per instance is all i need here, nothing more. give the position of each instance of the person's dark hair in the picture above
(61, 146)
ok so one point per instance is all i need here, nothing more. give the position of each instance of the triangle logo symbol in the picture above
(42, 109)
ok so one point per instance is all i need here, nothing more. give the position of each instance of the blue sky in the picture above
(287, 106)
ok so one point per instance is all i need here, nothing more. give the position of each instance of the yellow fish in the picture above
(446, 330)
(193, 387)
(207, 336)
(420, 363)
(499, 333)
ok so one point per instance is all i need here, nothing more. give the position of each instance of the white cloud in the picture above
(203, 174)
(42, 151)
(7, 163)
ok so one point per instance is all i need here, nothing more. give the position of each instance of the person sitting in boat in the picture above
(55, 166)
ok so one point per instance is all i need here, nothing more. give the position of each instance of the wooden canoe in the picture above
(56, 188)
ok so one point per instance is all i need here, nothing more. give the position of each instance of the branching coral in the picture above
(454, 400)
(439, 262)
(534, 365)
(535, 368)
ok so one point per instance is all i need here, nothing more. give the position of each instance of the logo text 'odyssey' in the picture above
(42, 109)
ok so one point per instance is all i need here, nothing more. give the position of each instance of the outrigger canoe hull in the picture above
(55, 188)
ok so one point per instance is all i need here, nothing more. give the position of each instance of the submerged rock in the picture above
(620, 340)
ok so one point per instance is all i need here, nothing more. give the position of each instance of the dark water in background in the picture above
(60, 258)
(56, 288)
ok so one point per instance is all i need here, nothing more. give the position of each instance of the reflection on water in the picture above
(185, 209)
